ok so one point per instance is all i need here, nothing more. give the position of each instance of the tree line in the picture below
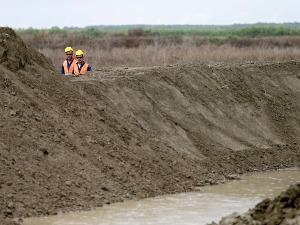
(235, 30)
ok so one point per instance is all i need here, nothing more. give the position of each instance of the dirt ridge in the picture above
(131, 133)
(284, 209)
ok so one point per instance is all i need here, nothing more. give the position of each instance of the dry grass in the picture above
(154, 51)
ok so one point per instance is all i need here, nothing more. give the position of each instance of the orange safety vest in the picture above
(83, 69)
(68, 72)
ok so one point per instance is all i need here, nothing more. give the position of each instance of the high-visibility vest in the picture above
(83, 69)
(69, 71)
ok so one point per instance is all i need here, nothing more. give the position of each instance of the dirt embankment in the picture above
(71, 144)
(284, 210)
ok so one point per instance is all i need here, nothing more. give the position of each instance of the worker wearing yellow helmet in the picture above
(81, 67)
(68, 65)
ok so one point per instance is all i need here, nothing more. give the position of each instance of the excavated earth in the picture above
(284, 210)
(76, 143)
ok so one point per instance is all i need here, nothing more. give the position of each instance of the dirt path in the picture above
(131, 133)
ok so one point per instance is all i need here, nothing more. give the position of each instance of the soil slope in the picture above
(129, 133)
(282, 210)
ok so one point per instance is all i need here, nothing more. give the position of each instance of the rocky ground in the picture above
(284, 210)
(130, 133)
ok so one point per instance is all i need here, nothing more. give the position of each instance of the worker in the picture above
(81, 67)
(68, 65)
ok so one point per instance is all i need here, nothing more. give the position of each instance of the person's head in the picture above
(79, 56)
(69, 53)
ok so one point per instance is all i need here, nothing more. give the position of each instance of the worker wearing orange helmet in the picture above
(68, 65)
(81, 67)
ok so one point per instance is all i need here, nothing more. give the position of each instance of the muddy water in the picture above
(202, 207)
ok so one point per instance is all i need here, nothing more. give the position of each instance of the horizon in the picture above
(161, 25)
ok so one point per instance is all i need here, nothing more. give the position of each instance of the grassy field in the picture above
(140, 48)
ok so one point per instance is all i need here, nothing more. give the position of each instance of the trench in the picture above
(209, 203)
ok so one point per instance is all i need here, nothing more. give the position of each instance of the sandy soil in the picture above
(130, 133)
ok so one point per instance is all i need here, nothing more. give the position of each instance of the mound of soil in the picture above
(128, 133)
(282, 210)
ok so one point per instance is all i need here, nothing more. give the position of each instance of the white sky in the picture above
(61, 13)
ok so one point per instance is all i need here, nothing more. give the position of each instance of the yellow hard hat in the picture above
(68, 49)
(79, 52)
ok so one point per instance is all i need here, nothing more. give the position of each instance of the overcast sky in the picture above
(75, 13)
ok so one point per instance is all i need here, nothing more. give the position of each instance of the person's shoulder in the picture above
(88, 65)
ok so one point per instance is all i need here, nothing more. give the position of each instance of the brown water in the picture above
(205, 206)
